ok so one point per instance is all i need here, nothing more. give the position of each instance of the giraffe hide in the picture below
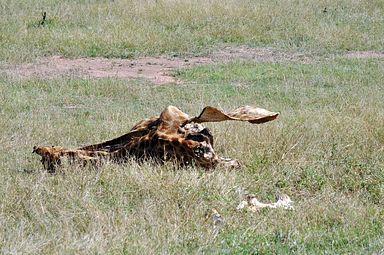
(173, 136)
(245, 113)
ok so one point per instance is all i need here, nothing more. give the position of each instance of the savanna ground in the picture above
(326, 150)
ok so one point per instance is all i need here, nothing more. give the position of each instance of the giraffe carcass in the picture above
(173, 136)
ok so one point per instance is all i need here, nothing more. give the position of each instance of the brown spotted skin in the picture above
(173, 136)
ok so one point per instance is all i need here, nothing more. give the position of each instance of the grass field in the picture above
(326, 150)
(121, 28)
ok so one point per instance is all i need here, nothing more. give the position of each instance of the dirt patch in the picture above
(365, 54)
(157, 70)
(257, 54)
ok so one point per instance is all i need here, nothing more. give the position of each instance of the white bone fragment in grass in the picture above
(253, 204)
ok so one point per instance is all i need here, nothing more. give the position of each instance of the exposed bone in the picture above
(173, 136)
(254, 205)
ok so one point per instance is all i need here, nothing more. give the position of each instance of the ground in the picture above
(94, 68)
(159, 70)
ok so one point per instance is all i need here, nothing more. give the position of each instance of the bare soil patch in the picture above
(158, 70)
(365, 54)
(155, 69)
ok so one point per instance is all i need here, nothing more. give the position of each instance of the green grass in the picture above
(121, 28)
(325, 151)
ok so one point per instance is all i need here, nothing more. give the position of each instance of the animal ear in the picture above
(251, 114)
(34, 149)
